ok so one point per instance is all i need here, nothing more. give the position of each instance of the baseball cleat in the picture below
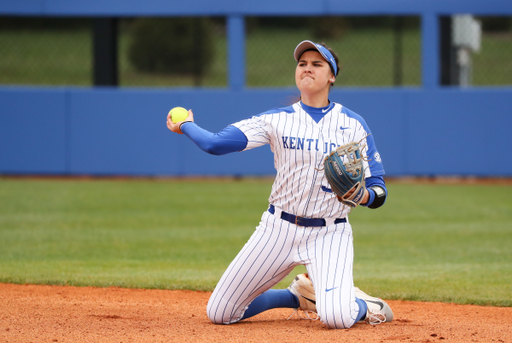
(378, 310)
(302, 288)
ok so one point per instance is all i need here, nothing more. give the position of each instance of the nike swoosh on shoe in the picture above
(313, 301)
(376, 302)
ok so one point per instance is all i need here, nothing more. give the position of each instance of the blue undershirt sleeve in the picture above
(229, 139)
(374, 181)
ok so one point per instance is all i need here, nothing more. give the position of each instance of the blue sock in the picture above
(273, 298)
(362, 309)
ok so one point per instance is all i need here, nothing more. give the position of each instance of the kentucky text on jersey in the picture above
(298, 143)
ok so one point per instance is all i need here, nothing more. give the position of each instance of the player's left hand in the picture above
(177, 127)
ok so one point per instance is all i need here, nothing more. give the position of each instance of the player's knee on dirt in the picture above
(336, 320)
(221, 312)
(337, 323)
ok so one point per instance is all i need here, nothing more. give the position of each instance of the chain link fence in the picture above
(52, 51)
(382, 51)
(373, 51)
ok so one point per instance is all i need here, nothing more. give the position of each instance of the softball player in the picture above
(305, 223)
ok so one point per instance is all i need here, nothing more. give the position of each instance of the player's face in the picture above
(313, 73)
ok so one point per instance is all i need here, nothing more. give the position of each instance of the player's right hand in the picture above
(177, 127)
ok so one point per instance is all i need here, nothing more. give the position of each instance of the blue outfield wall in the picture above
(431, 130)
(112, 131)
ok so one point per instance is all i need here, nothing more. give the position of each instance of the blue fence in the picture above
(431, 130)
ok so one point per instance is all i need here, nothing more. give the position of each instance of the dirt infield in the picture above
(30, 313)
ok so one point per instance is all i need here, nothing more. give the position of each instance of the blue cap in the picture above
(308, 45)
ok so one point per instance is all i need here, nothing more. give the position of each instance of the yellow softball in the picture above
(178, 114)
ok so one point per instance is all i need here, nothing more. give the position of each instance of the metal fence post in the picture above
(105, 51)
(236, 51)
(430, 50)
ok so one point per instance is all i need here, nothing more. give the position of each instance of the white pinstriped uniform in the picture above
(299, 145)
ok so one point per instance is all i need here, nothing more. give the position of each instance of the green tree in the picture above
(180, 46)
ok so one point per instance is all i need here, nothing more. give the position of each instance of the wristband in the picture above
(188, 121)
(380, 197)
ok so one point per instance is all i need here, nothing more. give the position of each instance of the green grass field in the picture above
(430, 242)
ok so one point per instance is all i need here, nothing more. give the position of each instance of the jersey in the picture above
(300, 138)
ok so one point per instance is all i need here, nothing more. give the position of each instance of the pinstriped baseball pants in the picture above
(272, 252)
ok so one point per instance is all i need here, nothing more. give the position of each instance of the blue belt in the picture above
(301, 221)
